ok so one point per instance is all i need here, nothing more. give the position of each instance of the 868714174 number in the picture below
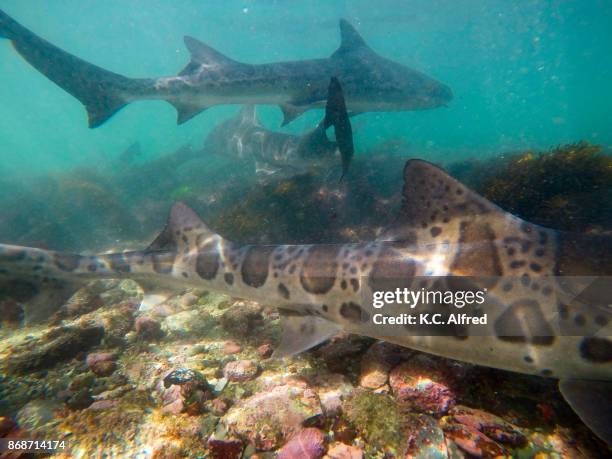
(23, 445)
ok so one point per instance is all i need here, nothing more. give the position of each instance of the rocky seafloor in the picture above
(193, 377)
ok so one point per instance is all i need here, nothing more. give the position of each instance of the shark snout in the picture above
(443, 94)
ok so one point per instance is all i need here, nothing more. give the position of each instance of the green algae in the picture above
(280, 210)
(377, 417)
(568, 187)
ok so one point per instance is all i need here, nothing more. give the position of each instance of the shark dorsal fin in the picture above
(432, 198)
(350, 40)
(202, 54)
(182, 228)
(476, 237)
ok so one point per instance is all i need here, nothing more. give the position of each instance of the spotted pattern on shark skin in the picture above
(391, 270)
(284, 291)
(477, 254)
(255, 266)
(231, 254)
(65, 262)
(596, 350)
(13, 254)
(119, 263)
(208, 260)
(319, 270)
(353, 312)
(133, 258)
(524, 322)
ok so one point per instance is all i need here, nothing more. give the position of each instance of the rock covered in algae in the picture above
(147, 328)
(231, 347)
(332, 389)
(308, 443)
(492, 426)
(265, 351)
(424, 438)
(6, 425)
(241, 370)
(37, 413)
(339, 352)
(57, 345)
(184, 390)
(378, 361)
(377, 417)
(225, 448)
(425, 391)
(473, 441)
(241, 318)
(102, 363)
(342, 451)
(187, 323)
(267, 419)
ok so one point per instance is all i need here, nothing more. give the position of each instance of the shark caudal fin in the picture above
(8, 26)
(101, 92)
(337, 116)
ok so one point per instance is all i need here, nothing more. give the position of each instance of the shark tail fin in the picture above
(8, 26)
(337, 116)
(101, 92)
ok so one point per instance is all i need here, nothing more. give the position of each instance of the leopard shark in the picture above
(443, 228)
(371, 82)
(244, 138)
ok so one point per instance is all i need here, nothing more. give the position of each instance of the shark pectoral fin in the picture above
(154, 295)
(186, 111)
(336, 116)
(291, 112)
(592, 401)
(154, 298)
(44, 300)
(301, 332)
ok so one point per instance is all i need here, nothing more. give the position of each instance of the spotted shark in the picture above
(443, 228)
(243, 137)
(371, 82)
